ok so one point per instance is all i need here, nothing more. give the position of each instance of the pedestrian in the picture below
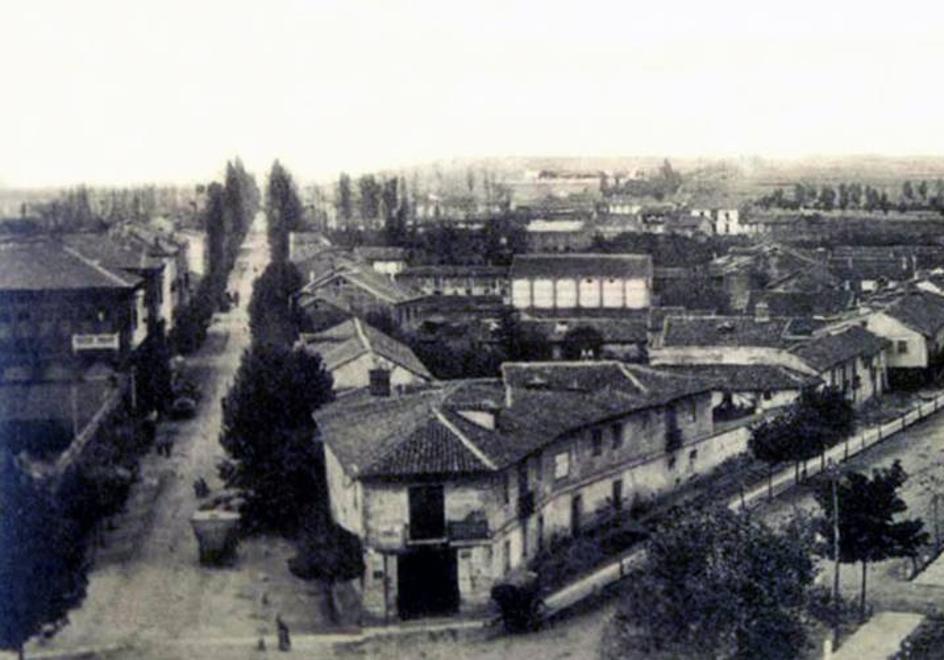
(285, 641)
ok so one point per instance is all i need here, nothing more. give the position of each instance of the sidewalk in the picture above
(880, 638)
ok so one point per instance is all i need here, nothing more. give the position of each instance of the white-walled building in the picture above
(584, 281)
(353, 349)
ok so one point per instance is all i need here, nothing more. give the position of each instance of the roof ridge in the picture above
(101, 269)
(358, 328)
(468, 444)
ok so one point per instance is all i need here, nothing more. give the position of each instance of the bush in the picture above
(519, 605)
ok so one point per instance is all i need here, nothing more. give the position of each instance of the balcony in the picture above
(526, 504)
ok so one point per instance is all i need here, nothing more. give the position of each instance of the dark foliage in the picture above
(284, 211)
(721, 584)
(327, 552)
(268, 432)
(42, 565)
(869, 527)
(582, 343)
(272, 316)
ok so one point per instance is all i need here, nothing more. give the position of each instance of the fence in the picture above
(616, 570)
(848, 448)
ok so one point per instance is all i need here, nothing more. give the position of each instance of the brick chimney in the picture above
(379, 381)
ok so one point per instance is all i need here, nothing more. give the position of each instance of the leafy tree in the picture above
(153, 373)
(827, 198)
(519, 343)
(327, 552)
(215, 223)
(868, 529)
(582, 342)
(284, 211)
(345, 200)
(272, 317)
(720, 584)
(369, 196)
(268, 433)
(771, 442)
(42, 566)
(907, 191)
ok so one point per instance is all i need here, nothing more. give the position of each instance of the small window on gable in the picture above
(902, 346)
(768, 395)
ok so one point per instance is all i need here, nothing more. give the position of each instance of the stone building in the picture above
(352, 350)
(454, 487)
(61, 312)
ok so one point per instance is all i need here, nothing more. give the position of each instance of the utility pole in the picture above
(834, 478)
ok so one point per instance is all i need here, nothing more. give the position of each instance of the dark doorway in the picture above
(427, 583)
(427, 513)
(576, 510)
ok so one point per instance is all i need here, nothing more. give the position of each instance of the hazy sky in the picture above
(134, 91)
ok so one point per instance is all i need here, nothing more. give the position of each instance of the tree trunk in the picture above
(20, 654)
(862, 596)
(770, 481)
(796, 472)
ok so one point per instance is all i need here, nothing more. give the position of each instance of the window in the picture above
(506, 550)
(902, 346)
(694, 409)
(506, 495)
(596, 438)
(617, 431)
(617, 494)
(768, 395)
(672, 462)
(561, 465)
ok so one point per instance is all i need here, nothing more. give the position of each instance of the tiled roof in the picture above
(922, 311)
(829, 350)
(613, 330)
(425, 432)
(582, 265)
(803, 303)
(744, 377)
(430, 449)
(380, 253)
(855, 268)
(346, 341)
(449, 270)
(377, 284)
(723, 331)
(111, 253)
(46, 265)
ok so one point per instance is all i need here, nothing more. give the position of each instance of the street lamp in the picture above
(832, 469)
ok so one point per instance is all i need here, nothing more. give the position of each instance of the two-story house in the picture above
(454, 487)
(587, 281)
(351, 350)
(357, 290)
(61, 312)
(914, 324)
(845, 356)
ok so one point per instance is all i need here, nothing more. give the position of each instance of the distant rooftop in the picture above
(582, 265)
(47, 265)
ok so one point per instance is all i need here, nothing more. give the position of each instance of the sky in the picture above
(117, 92)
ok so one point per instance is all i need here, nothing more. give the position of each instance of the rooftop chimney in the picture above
(379, 382)
(761, 312)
